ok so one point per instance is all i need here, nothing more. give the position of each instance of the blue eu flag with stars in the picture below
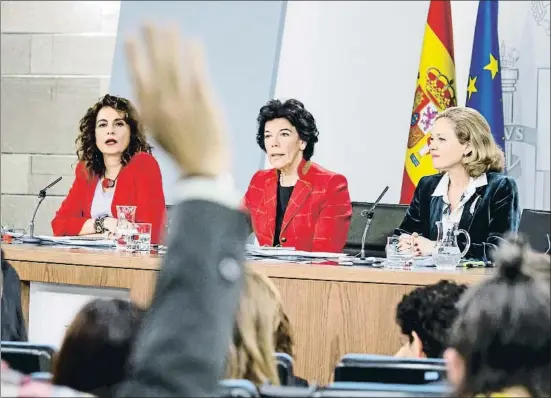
(484, 88)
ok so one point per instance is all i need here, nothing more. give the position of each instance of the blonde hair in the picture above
(261, 329)
(471, 127)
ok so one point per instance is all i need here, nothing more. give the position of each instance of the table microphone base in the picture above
(31, 240)
(363, 261)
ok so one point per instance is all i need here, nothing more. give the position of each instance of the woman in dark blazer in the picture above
(470, 188)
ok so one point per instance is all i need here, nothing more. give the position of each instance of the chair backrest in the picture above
(387, 369)
(237, 388)
(27, 360)
(383, 389)
(535, 226)
(386, 219)
(284, 368)
(26, 357)
(269, 391)
(42, 376)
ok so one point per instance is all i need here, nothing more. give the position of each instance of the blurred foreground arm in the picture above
(182, 346)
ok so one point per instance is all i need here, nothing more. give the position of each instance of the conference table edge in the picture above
(152, 262)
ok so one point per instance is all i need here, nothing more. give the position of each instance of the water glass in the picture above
(396, 258)
(141, 240)
(126, 215)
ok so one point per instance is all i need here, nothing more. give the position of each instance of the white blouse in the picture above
(101, 204)
(442, 190)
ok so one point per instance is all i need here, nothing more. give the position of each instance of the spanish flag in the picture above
(436, 91)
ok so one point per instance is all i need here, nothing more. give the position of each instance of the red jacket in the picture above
(317, 216)
(139, 184)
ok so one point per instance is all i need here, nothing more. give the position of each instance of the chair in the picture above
(348, 389)
(284, 368)
(237, 388)
(42, 376)
(535, 226)
(387, 369)
(27, 358)
(269, 391)
(386, 219)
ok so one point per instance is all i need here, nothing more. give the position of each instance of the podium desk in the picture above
(334, 310)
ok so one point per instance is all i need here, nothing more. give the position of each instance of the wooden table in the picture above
(333, 310)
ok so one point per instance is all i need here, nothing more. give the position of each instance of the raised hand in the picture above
(175, 102)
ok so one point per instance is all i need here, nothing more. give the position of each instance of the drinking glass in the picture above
(141, 240)
(396, 258)
(126, 215)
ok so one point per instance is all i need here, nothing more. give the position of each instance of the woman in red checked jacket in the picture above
(115, 168)
(297, 203)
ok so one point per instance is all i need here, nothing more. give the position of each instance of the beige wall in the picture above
(55, 62)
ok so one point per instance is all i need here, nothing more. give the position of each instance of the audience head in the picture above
(287, 132)
(97, 345)
(501, 338)
(425, 315)
(261, 329)
(461, 137)
(110, 128)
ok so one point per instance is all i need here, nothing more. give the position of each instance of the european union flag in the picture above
(484, 89)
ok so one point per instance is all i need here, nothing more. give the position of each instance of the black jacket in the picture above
(13, 323)
(496, 212)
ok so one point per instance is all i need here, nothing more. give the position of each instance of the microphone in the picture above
(369, 215)
(41, 196)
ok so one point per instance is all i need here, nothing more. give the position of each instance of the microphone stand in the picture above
(369, 214)
(41, 196)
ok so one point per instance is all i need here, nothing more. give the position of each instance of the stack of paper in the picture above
(87, 241)
(288, 254)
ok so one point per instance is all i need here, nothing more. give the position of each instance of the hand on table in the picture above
(175, 101)
(405, 242)
(422, 246)
(110, 224)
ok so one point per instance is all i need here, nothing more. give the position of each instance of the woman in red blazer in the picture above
(297, 203)
(115, 168)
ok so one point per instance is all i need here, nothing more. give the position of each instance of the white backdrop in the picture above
(354, 65)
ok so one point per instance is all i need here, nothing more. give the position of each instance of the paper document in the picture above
(260, 251)
(93, 240)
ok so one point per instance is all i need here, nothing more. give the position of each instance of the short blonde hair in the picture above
(471, 127)
(257, 331)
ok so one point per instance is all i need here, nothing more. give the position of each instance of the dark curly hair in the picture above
(97, 345)
(88, 152)
(503, 330)
(430, 311)
(294, 111)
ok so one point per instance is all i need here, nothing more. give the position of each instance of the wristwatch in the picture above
(98, 225)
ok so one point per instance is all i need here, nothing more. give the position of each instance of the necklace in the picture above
(109, 183)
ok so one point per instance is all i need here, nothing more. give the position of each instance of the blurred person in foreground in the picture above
(96, 346)
(181, 348)
(297, 203)
(262, 328)
(12, 320)
(425, 316)
(115, 168)
(500, 343)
